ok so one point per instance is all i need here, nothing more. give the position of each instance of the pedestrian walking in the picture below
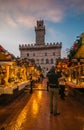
(53, 90)
(47, 83)
(62, 82)
(47, 86)
(31, 83)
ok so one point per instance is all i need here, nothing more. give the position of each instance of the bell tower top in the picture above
(40, 33)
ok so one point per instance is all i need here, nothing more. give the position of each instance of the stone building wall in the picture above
(44, 54)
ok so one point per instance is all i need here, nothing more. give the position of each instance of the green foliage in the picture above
(74, 48)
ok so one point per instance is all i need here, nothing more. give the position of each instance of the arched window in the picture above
(27, 54)
(51, 61)
(42, 61)
(53, 53)
(37, 61)
(47, 61)
(33, 54)
(45, 54)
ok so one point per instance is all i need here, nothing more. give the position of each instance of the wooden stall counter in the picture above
(75, 91)
(8, 93)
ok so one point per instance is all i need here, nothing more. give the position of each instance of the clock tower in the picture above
(40, 33)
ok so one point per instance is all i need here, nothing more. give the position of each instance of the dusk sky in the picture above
(63, 19)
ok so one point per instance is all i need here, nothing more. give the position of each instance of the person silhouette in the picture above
(53, 91)
(31, 83)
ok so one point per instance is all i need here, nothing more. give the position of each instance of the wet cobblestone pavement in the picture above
(31, 112)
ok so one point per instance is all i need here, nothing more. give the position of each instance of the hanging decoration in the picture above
(5, 55)
(74, 48)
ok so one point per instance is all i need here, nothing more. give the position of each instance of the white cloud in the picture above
(26, 12)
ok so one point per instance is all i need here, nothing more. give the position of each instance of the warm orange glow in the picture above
(30, 106)
(16, 124)
(35, 108)
(39, 95)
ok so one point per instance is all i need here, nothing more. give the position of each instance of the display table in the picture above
(8, 93)
(75, 91)
(9, 89)
(22, 85)
(73, 85)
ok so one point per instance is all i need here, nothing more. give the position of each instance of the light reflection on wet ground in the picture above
(16, 125)
(35, 114)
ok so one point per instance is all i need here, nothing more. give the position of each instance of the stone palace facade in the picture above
(44, 54)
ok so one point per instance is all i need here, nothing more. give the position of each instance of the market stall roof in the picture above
(77, 52)
(6, 63)
(80, 52)
(5, 55)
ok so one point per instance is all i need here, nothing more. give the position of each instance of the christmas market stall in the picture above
(75, 70)
(13, 78)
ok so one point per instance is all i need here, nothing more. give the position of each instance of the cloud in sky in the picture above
(18, 14)
(25, 12)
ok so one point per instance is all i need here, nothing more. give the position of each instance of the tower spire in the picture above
(40, 32)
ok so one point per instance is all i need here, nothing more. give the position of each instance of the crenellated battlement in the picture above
(44, 54)
(26, 45)
(47, 45)
(54, 44)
